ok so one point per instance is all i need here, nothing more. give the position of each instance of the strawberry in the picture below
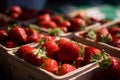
(35, 56)
(80, 15)
(49, 37)
(33, 36)
(44, 17)
(3, 35)
(65, 23)
(51, 48)
(15, 9)
(64, 29)
(48, 24)
(57, 19)
(103, 35)
(50, 65)
(79, 62)
(62, 41)
(68, 52)
(66, 68)
(76, 24)
(115, 42)
(23, 50)
(10, 44)
(114, 30)
(112, 69)
(89, 53)
(18, 34)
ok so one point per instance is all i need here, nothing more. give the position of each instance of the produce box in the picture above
(112, 50)
(11, 40)
(23, 69)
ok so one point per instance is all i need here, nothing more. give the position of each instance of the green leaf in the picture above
(91, 34)
(82, 51)
(104, 39)
(55, 31)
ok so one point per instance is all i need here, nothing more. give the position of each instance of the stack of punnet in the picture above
(13, 37)
(105, 36)
(62, 59)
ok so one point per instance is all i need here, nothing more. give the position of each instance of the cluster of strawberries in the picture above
(58, 57)
(108, 35)
(76, 23)
(17, 36)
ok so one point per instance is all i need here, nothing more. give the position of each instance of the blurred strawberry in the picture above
(114, 30)
(76, 24)
(23, 50)
(51, 48)
(48, 24)
(68, 52)
(3, 35)
(10, 44)
(66, 68)
(103, 35)
(57, 19)
(35, 56)
(115, 42)
(79, 62)
(62, 41)
(50, 65)
(44, 17)
(18, 34)
(65, 23)
(90, 53)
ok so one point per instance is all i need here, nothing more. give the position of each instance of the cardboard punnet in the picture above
(22, 70)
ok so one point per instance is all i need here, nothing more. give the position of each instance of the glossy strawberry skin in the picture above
(88, 52)
(51, 65)
(3, 35)
(115, 42)
(114, 30)
(23, 50)
(15, 9)
(51, 48)
(44, 17)
(68, 52)
(33, 36)
(76, 24)
(18, 34)
(57, 19)
(79, 62)
(65, 23)
(66, 68)
(33, 59)
(103, 31)
(10, 44)
(62, 41)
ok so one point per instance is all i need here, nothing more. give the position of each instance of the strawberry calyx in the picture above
(82, 27)
(82, 51)
(91, 34)
(55, 31)
(104, 39)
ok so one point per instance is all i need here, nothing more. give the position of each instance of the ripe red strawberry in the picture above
(48, 24)
(79, 62)
(33, 36)
(51, 48)
(65, 23)
(80, 15)
(50, 65)
(90, 52)
(112, 69)
(115, 42)
(62, 41)
(49, 38)
(68, 52)
(10, 44)
(64, 29)
(44, 17)
(76, 24)
(3, 35)
(57, 19)
(66, 68)
(23, 50)
(15, 9)
(35, 56)
(103, 35)
(18, 34)
(114, 30)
